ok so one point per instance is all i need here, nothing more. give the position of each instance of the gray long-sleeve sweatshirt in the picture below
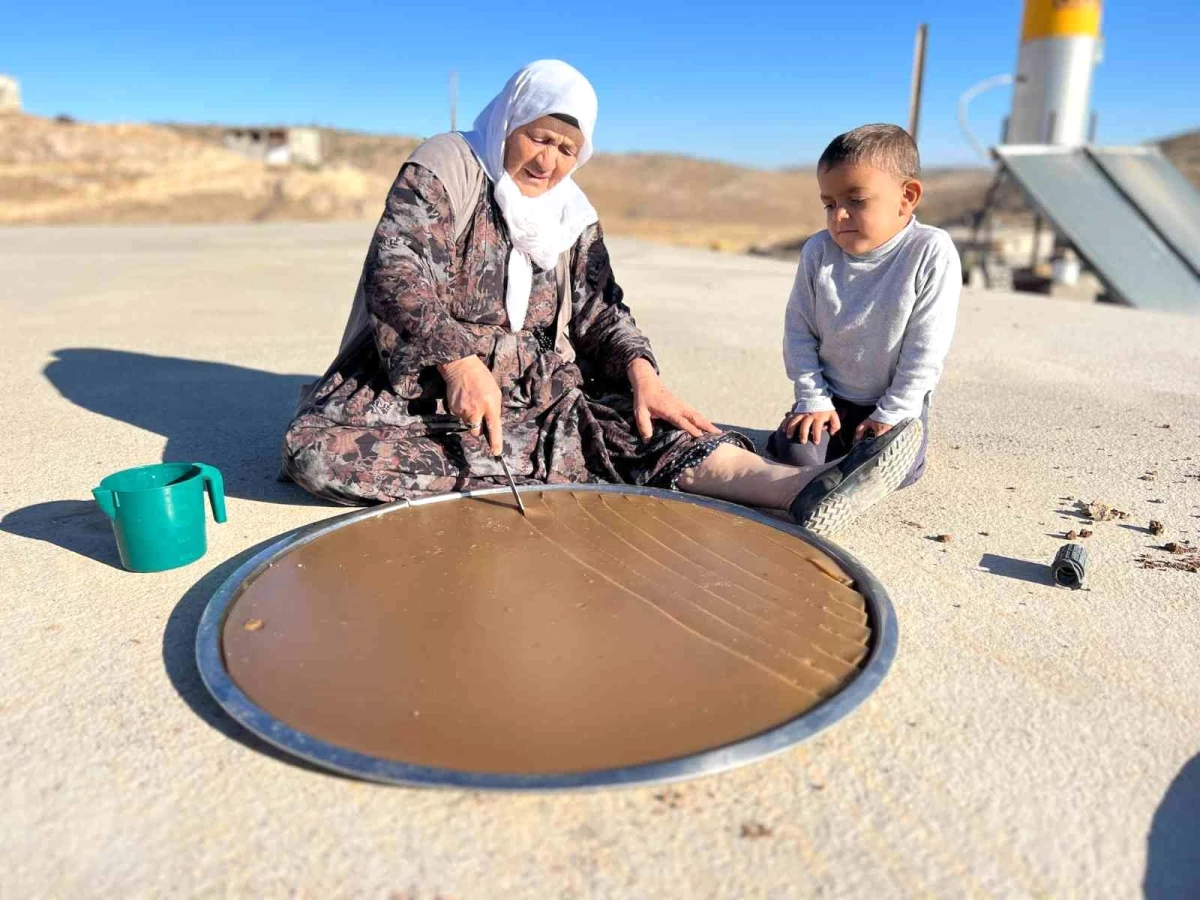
(872, 329)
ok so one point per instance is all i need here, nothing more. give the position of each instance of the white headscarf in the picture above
(542, 227)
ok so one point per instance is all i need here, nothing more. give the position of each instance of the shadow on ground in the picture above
(1020, 569)
(75, 525)
(758, 436)
(227, 416)
(1172, 858)
(179, 658)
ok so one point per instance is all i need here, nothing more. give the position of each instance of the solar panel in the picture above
(1109, 233)
(1160, 191)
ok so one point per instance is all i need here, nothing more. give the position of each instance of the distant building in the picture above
(276, 146)
(10, 94)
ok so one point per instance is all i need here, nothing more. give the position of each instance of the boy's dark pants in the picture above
(788, 450)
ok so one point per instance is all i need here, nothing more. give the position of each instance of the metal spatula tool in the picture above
(452, 425)
(512, 484)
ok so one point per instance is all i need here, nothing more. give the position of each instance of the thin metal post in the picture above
(918, 81)
(453, 100)
(1093, 122)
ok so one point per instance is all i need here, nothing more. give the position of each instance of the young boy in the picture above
(867, 329)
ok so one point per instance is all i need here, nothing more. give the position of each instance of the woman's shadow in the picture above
(228, 416)
(1173, 845)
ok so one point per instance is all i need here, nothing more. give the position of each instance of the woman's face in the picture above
(539, 155)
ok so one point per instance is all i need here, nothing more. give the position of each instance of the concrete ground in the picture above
(1028, 741)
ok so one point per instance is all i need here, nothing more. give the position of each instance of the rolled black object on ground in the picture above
(1069, 566)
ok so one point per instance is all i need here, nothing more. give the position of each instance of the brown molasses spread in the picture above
(603, 630)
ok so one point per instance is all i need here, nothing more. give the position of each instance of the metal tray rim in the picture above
(243, 710)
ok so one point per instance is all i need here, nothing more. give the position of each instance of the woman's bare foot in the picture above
(735, 474)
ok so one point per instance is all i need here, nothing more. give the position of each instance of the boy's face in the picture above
(866, 207)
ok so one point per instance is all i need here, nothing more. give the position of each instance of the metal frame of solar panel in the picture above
(1122, 239)
(1159, 190)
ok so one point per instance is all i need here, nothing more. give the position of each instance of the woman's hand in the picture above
(652, 400)
(473, 395)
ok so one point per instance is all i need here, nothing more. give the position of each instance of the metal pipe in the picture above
(964, 102)
(918, 81)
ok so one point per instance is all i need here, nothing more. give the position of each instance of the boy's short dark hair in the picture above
(886, 147)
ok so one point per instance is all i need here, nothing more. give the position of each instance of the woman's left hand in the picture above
(652, 400)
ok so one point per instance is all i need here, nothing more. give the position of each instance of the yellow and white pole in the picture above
(1060, 45)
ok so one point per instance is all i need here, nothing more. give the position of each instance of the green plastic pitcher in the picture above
(157, 513)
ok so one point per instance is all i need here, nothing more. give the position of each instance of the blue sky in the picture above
(765, 84)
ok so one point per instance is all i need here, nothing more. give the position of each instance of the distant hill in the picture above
(56, 172)
(1184, 151)
(62, 171)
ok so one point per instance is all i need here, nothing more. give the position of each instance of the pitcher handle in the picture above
(215, 485)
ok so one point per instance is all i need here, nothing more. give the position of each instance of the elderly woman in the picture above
(488, 322)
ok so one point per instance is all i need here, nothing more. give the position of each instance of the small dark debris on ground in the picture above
(1085, 533)
(1098, 511)
(753, 830)
(1156, 527)
(1183, 564)
(943, 538)
(1184, 558)
(1165, 425)
(911, 524)
(1149, 476)
(985, 534)
(1071, 535)
(669, 798)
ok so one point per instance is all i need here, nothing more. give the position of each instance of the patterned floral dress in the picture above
(374, 428)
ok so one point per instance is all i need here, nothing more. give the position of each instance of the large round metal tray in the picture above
(241, 708)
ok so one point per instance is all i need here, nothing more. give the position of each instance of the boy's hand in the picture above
(870, 427)
(801, 426)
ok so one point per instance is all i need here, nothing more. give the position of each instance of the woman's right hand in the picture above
(473, 395)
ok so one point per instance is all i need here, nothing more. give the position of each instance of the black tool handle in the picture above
(445, 425)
